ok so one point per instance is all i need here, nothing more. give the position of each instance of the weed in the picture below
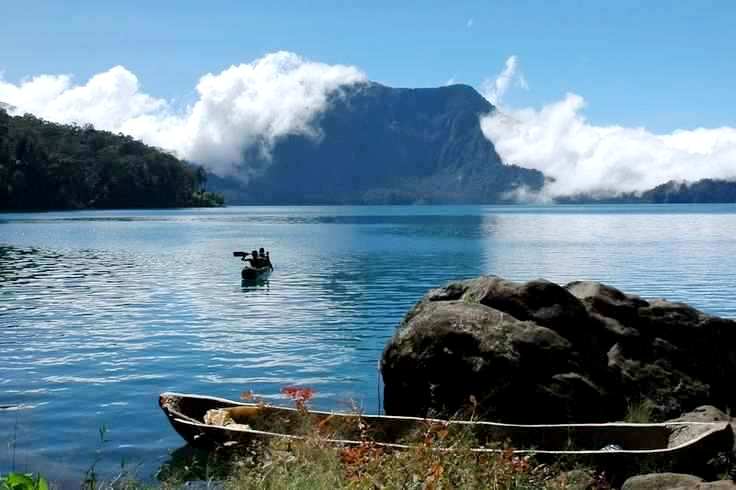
(640, 412)
(439, 456)
(91, 477)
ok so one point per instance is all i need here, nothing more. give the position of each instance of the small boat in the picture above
(251, 273)
(205, 421)
(255, 274)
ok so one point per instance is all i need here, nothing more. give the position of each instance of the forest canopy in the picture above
(45, 165)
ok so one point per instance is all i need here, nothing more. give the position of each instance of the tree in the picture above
(51, 166)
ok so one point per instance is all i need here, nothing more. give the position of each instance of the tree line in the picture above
(45, 165)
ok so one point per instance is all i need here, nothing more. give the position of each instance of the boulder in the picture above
(705, 413)
(538, 352)
(662, 481)
(674, 481)
(717, 485)
(721, 458)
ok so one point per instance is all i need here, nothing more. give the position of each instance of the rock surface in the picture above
(538, 352)
(717, 485)
(661, 481)
(705, 413)
(674, 481)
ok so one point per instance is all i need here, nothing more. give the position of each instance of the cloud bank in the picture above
(246, 107)
(601, 160)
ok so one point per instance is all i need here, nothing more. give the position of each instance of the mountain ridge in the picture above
(379, 145)
(671, 192)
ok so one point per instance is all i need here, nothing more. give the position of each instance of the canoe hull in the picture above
(183, 411)
(681, 444)
(255, 274)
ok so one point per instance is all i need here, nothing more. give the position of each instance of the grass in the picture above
(640, 412)
(309, 464)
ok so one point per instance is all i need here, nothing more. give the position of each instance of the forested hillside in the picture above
(672, 192)
(44, 165)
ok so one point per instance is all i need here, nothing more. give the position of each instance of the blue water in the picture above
(100, 311)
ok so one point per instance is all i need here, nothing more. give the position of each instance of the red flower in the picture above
(300, 395)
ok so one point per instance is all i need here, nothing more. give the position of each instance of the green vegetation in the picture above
(433, 457)
(22, 481)
(640, 412)
(52, 166)
(312, 463)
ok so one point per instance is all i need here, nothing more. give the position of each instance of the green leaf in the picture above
(19, 481)
(41, 483)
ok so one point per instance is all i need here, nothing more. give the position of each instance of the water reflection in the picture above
(187, 463)
(683, 257)
(248, 285)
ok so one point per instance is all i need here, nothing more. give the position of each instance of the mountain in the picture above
(701, 191)
(704, 191)
(386, 145)
(53, 166)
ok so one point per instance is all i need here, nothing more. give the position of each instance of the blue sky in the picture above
(662, 65)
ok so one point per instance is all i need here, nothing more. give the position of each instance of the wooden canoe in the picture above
(688, 441)
(255, 274)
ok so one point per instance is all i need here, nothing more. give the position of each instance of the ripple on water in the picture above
(101, 311)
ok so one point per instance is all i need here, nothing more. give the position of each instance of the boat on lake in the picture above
(259, 268)
(255, 274)
(205, 421)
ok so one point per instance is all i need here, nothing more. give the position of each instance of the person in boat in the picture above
(253, 259)
(265, 258)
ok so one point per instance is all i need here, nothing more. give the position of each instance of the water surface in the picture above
(102, 310)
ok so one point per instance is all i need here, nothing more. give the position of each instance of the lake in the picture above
(100, 311)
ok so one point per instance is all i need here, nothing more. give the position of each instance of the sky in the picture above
(662, 65)
(660, 68)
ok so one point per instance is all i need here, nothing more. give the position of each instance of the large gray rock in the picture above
(722, 459)
(705, 413)
(662, 481)
(674, 481)
(717, 485)
(542, 353)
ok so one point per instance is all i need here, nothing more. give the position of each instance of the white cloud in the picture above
(605, 160)
(108, 99)
(250, 106)
(247, 106)
(522, 82)
(494, 89)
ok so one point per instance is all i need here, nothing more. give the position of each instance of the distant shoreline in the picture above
(561, 205)
(65, 210)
